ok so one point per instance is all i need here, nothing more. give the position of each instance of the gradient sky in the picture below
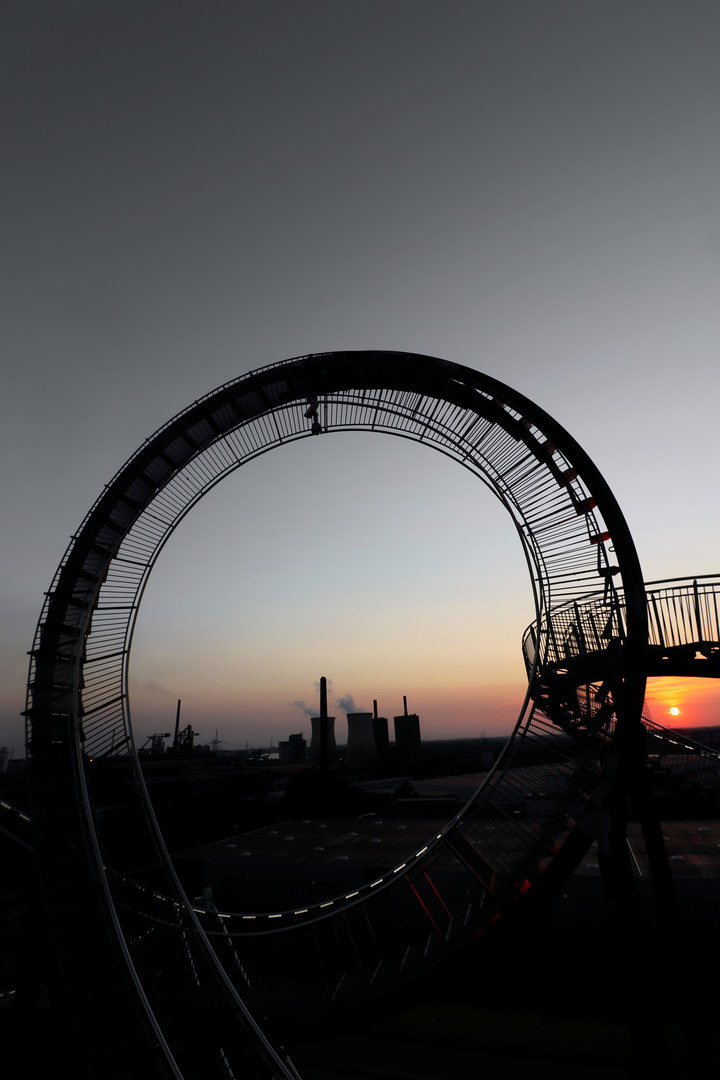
(193, 190)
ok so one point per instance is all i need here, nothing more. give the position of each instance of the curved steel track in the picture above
(153, 965)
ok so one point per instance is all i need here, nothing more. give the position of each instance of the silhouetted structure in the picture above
(407, 736)
(294, 750)
(361, 750)
(185, 740)
(323, 750)
(154, 967)
(381, 737)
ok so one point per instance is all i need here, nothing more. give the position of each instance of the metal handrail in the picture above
(679, 616)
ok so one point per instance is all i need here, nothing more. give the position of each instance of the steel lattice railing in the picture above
(683, 614)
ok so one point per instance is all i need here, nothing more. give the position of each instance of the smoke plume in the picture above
(347, 704)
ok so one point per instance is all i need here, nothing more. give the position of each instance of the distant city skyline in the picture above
(527, 189)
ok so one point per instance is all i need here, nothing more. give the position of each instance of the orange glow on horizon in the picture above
(461, 713)
(679, 702)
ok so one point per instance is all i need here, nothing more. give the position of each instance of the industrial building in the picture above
(293, 751)
(407, 737)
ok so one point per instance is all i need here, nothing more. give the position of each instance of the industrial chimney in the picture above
(323, 751)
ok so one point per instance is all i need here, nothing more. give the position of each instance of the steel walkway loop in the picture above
(153, 966)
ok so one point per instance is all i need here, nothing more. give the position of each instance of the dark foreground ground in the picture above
(566, 996)
(587, 1000)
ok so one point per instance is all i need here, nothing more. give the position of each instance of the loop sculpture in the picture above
(150, 979)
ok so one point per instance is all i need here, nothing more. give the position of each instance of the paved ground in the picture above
(391, 1059)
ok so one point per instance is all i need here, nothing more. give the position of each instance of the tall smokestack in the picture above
(177, 725)
(322, 748)
(374, 709)
(405, 704)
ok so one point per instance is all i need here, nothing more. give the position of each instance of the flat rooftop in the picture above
(693, 847)
(361, 842)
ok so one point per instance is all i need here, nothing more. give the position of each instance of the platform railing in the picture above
(682, 613)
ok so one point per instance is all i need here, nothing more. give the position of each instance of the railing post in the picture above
(658, 620)
(698, 618)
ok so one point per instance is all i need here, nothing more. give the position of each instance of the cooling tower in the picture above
(360, 742)
(323, 751)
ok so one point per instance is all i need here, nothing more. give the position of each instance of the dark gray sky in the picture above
(195, 189)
